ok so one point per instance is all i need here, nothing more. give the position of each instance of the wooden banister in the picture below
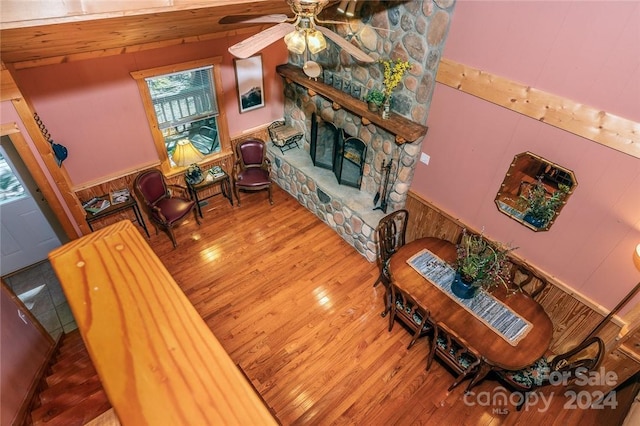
(158, 361)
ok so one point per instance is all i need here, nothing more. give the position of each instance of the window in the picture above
(182, 103)
(10, 187)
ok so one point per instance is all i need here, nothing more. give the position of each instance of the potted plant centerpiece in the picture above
(375, 99)
(479, 264)
(541, 205)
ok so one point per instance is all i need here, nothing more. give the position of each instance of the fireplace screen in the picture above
(324, 138)
(333, 149)
(350, 161)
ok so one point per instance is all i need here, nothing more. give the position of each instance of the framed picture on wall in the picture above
(250, 83)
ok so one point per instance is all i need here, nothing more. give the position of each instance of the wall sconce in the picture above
(636, 257)
(186, 154)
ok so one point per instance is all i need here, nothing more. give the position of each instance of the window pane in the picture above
(10, 186)
(186, 108)
(183, 97)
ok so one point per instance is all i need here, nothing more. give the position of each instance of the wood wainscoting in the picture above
(573, 315)
(226, 161)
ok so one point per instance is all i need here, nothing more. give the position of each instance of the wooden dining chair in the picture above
(390, 232)
(456, 353)
(577, 362)
(410, 313)
(526, 280)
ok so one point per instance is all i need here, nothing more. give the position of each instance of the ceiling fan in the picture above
(301, 32)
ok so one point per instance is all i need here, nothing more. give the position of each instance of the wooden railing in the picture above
(158, 361)
(172, 110)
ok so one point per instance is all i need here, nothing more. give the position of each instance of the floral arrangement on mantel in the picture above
(482, 264)
(394, 70)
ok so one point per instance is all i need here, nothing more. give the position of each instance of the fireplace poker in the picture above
(386, 171)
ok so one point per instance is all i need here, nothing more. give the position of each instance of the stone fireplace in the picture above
(332, 148)
(418, 30)
(348, 209)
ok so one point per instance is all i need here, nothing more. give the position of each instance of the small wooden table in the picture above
(131, 203)
(496, 352)
(208, 182)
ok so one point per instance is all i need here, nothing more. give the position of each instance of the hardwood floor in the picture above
(294, 306)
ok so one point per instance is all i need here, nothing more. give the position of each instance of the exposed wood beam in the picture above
(582, 120)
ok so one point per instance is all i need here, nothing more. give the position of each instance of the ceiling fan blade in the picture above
(322, 21)
(259, 41)
(249, 19)
(348, 47)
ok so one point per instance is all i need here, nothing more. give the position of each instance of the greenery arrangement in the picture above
(394, 70)
(540, 204)
(481, 263)
(375, 96)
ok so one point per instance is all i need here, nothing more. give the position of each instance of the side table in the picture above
(209, 181)
(131, 203)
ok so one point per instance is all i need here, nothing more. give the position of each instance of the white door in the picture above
(26, 237)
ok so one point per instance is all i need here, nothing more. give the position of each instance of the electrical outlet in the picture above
(424, 158)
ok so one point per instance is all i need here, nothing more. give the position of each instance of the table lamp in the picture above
(186, 154)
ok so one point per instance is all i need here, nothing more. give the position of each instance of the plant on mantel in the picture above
(394, 70)
(375, 98)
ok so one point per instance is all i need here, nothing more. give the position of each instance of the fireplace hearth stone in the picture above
(347, 210)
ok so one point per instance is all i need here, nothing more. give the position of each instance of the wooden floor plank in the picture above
(295, 307)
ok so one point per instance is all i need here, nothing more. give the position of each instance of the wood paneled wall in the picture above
(126, 181)
(583, 120)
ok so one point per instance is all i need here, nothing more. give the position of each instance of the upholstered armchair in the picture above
(164, 209)
(252, 168)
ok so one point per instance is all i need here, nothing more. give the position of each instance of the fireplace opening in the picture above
(332, 148)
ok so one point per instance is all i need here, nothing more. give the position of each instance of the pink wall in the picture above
(9, 115)
(93, 107)
(579, 50)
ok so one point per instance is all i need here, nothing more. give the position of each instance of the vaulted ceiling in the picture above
(40, 32)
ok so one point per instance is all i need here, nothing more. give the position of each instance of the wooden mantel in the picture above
(404, 129)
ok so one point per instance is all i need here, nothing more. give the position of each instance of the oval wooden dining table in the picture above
(496, 352)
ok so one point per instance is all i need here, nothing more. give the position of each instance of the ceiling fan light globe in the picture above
(316, 41)
(295, 42)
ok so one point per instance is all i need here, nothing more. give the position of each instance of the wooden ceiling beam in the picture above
(73, 38)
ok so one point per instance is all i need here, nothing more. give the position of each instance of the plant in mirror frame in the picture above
(541, 205)
(481, 263)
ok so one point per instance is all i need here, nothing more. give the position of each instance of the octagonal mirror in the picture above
(534, 191)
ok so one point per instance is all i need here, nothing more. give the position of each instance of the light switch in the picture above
(424, 158)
